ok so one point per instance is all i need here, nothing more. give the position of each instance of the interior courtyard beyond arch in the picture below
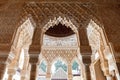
(59, 40)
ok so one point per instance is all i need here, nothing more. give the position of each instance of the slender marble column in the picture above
(48, 76)
(70, 77)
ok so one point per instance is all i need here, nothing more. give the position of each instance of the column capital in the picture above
(85, 50)
(34, 58)
(86, 54)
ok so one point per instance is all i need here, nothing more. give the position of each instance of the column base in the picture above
(48, 76)
(70, 77)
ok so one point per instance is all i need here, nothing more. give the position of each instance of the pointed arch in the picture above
(59, 58)
(100, 44)
(76, 59)
(63, 21)
(56, 60)
(23, 36)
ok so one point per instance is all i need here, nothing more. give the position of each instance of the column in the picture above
(87, 70)
(33, 61)
(87, 67)
(24, 72)
(33, 71)
(14, 64)
(85, 51)
(70, 76)
(48, 75)
(104, 64)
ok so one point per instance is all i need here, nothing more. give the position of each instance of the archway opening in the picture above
(42, 69)
(18, 59)
(17, 75)
(59, 70)
(59, 40)
(76, 70)
(101, 49)
(59, 34)
(59, 31)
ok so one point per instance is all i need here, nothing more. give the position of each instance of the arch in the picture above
(98, 33)
(22, 40)
(27, 28)
(103, 47)
(45, 62)
(22, 37)
(43, 59)
(41, 70)
(74, 63)
(77, 60)
(61, 20)
(56, 21)
(59, 58)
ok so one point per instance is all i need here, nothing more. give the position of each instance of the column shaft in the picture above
(48, 76)
(24, 73)
(87, 70)
(85, 50)
(33, 72)
(70, 76)
(33, 61)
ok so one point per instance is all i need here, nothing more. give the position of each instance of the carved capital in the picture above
(34, 59)
(85, 50)
(86, 59)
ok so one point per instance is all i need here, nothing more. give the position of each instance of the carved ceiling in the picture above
(78, 11)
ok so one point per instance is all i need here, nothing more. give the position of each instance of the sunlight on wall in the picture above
(96, 55)
(21, 61)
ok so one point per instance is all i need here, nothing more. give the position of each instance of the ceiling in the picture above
(14, 12)
(78, 11)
